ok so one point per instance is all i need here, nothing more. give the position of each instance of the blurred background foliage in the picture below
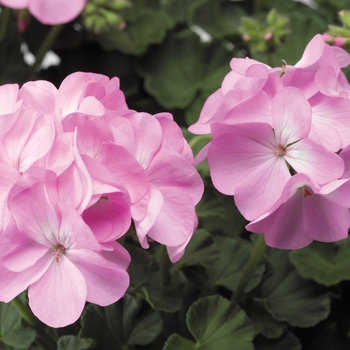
(170, 55)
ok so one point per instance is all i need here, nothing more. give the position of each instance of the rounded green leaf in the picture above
(324, 263)
(176, 342)
(71, 342)
(11, 331)
(181, 66)
(147, 26)
(286, 342)
(289, 297)
(216, 17)
(123, 323)
(226, 271)
(216, 323)
(201, 250)
(162, 298)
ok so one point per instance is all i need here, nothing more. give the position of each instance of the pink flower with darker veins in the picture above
(49, 11)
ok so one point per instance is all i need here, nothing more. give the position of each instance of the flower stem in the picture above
(4, 21)
(24, 311)
(46, 45)
(258, 250)
(198, 139)
(27, 315)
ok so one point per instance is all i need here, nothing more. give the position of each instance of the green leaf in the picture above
(216, 323)
(142, 269)
(181, 66)
(71, 342)
(11, 331)
(123, 323)
(324, 263)
(176, 342)
(217, 18)
(289, 297)
(177, 9)
(287, 342)
(263, 322)
(163, 298)
(201, 250)
(146, 26)
(226, 271)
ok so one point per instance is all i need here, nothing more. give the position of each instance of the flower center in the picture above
(307, 192)
(280, 151)
(58, 251)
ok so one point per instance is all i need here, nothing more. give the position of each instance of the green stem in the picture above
(198, 139)
(27, 315)
(46, 45)
(249, 267)
(4, 21)
(24, 311)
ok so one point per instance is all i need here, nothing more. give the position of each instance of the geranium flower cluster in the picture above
(280, 145)
(77, 167)
(49, 11)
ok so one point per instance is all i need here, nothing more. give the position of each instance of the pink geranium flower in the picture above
(50, 248)
(249, 160)
(49, 11)
(306, 212)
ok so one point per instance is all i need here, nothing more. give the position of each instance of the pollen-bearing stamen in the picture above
(58, 250)
(280, 151)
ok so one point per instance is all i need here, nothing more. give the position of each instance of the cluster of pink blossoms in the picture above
(76, 168)
(281, 145)
(49, 11)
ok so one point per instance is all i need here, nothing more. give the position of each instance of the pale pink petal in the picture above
(326, 80)
(345, 155)
(58, 297)
(106, 282)
(55, 11)
(74, 233)
(155, 205)
(210, 107)
(320, 165)
(8, 98)
(301, 79)
(284, 227)
(332, 111)
(37, 145)
(116, 253)
(324, 220)
(291, 114)
(233, 156)
(263, 189)
(107, 219)
(256, 109)
(25, 255)
(39, 95)
(175, 222)
(14, 283)
(90, 105)
(35, 215)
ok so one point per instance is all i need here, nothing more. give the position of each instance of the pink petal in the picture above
(106, 282)
(55, 11)
(291, 114)
(65, 293)
(325, 221)
(320, 165)
(233, 156)
(263, 189)
(14, 283)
